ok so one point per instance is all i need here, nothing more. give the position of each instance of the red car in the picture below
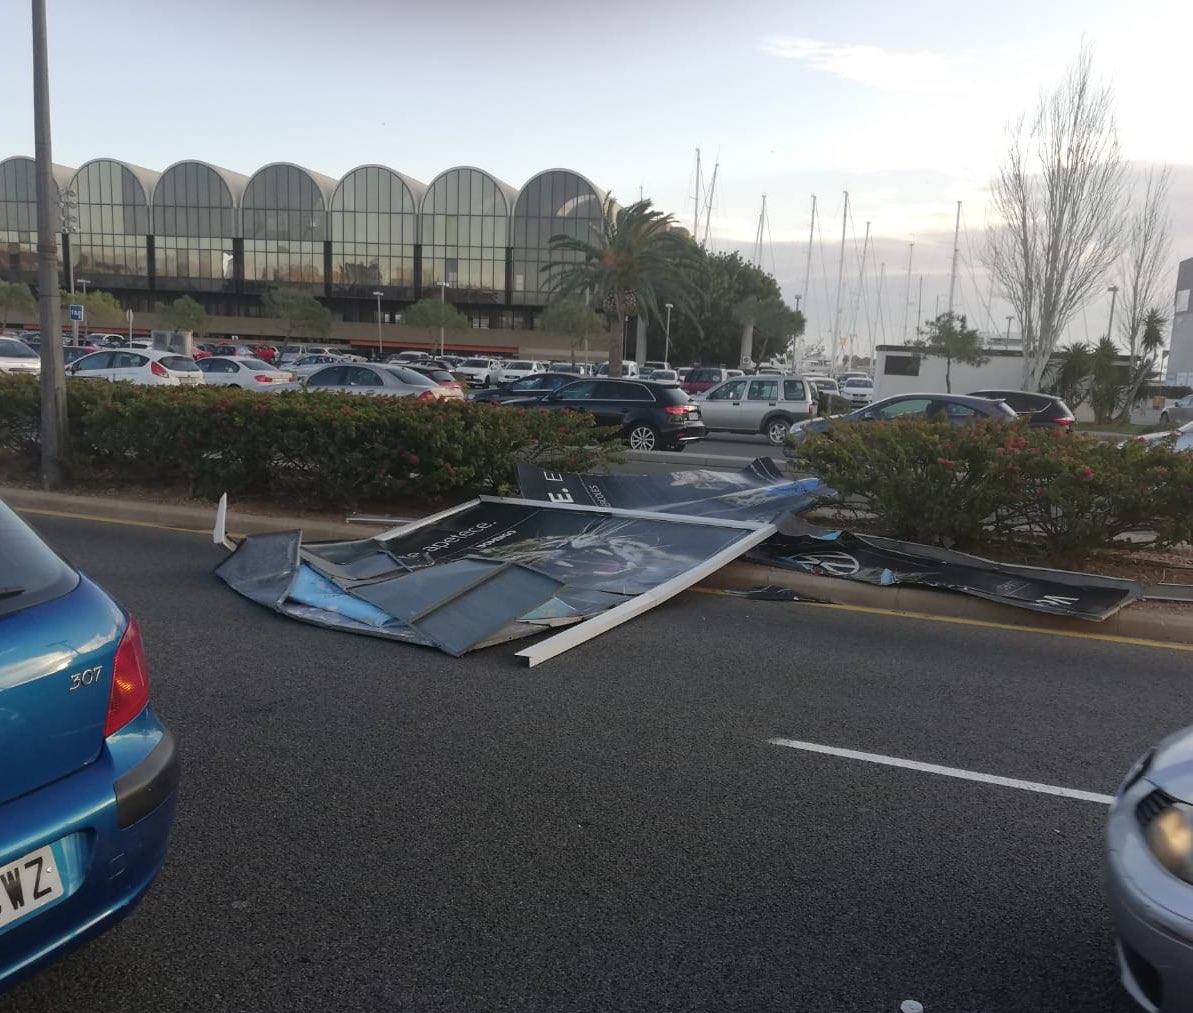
(703, 378)
(440, 375)
(267, 353)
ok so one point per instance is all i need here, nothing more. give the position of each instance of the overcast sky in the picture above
(903, 105)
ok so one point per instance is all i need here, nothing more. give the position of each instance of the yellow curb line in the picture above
(988, 624)
(42, 512)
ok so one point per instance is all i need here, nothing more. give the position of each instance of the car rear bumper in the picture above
(1153, 914)
(108, 825)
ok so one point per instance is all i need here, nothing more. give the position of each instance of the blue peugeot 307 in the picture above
(87, 772)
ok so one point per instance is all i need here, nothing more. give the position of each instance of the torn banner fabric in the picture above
(758, 492)
(886, 561)
(488, 571)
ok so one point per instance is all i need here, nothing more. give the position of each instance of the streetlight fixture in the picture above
(380, 354)
(442, 302)
(84, 282)
(667, 331)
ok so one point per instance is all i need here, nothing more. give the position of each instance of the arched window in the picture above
(465, 232)
(18, 218)
(194, 223)
(556, 202)
(374, 218)
(113, 215)
(284, 217)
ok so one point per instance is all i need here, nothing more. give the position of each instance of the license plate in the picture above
(28, 884)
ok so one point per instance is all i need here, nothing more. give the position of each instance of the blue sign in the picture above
(76, 311)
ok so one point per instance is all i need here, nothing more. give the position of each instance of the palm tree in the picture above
(631, 262)
(1151, 344)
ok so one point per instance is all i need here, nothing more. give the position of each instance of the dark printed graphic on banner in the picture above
(759, 492)
(886, 561)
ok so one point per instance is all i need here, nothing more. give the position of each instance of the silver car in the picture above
(380, 381)
(305, 365)
(1149, 872)
(1179, 411)
(758, 404)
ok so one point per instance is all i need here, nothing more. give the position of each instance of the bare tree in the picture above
(1059, 195)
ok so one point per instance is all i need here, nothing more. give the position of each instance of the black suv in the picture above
(1038, 410)
(535, 385)
(650, 416)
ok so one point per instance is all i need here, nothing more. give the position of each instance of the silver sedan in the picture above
(377, 380)
(1149, 874)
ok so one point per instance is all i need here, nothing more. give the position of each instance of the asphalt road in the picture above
(368, 826)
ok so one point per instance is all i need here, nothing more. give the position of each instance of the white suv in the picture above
(478, 372)
(519, 369)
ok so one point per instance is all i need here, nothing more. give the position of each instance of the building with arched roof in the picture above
(464, 234)
(18, 216)
(111, 245)
(554, 202)
(374, 233)
(284, 223)
(196, 224)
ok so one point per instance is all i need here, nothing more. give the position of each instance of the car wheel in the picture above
(1164, 419)
(235, 386)
(777, 430)
(643, 437)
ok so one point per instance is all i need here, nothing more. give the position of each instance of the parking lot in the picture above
(364, 825)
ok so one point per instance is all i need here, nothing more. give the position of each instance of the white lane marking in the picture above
(933, 768)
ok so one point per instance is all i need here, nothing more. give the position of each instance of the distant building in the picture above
(1180, 359)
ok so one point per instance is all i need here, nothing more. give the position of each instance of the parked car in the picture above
(72, 353)
(764, 404)
(107, 339)
(1149, 875)
(851, 375)
(305, 365)
(825, 383)
(629, 369)
(650, 416)
(702, 378)
(249, 374)
(409, 357)
(1178, 439)
(683, 372)
(478, 372)
(575, 369)
(380, 381)
(267, 353)
(147, 366)
(662, 376)
(1037, 410)
(731, 373)
(958, 409)
(518, 369)
(88, 773)
(1181, 410)
(444, 377)
(18, 357)
(532, 386)
(650, 365)
(858, 390)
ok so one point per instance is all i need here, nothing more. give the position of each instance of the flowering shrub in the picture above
(965, 486)
(311, 447)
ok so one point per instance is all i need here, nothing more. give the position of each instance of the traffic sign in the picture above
(76, 311)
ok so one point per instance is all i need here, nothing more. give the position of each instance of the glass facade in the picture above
(284, 219)
(18, 219)
(465, 232)
(374, 221)
(553, 203)
(194, 223)
(110, 247)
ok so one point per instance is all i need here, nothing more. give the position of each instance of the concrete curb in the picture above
(1137, 622)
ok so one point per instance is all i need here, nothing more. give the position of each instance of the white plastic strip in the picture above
(544, 650)
(219, 532)
(422, 522)
(933, 768)
(646, 515)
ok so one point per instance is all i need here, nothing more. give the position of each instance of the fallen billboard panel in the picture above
(488, 571)
(887, 561)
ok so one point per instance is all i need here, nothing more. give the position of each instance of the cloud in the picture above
(888, 69)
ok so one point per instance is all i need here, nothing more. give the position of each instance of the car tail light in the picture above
(426, 395)
(130, 680)
(158, 369)
(263, 378)
(678, 409)
(1066, 422)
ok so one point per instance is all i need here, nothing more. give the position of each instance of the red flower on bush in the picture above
(945, 463)
(410, 458)
(1086, 473)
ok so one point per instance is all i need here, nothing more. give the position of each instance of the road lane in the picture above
(366, 825)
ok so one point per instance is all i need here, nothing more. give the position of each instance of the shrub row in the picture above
(972, 485)
(309, 447)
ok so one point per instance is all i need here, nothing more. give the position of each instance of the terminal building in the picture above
(1180, 358)
(224, 238)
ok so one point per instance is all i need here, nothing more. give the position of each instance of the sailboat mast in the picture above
(956, 250)
(760, 234)
(696, 200)
(712, 189)
(861, 280)
(840, 281)
(907, 291)
(808, 263)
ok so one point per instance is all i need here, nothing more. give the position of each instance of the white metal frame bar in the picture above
(646, 515)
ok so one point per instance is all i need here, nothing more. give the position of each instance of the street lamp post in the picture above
(442, 302)
(129, 315)
(84, 282)
(380, 354)
(667, 332)
(1113, 290)
(1008, 342)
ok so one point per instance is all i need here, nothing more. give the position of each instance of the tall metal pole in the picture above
(53, 378)
(696, 200)
(712, 189)
(442, 301)
(1110, 322)
(808, 260)
(380, 352)
(840, 281)
(907, 292)
(919, 307)
(956, 250)
(1008, 344)
(667, 332)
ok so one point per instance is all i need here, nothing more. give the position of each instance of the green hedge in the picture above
(312, 447)
(967, 486)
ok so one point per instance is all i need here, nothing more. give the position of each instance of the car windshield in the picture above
(476, 362)
(411, 377)
(182, 364)
(858, 383)
(10, 348)
(29, 572)
(518, 365)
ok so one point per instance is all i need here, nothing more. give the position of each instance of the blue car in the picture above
(87, 772)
